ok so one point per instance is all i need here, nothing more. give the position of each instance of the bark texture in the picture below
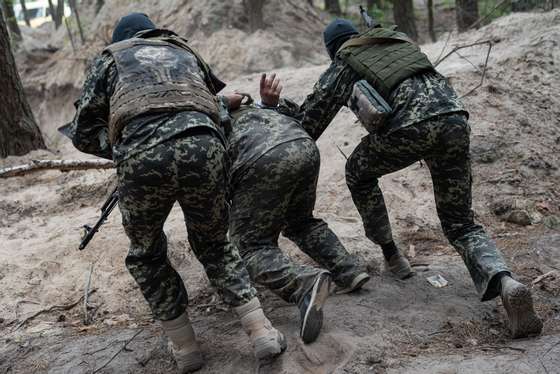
(19, 132)
(403, 13)
(10, 18)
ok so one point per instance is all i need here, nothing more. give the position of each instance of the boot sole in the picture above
(270, 348)
(523, 321)
(357, 284)
(313, 319)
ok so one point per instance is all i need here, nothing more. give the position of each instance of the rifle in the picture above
(369, 21)
(106, 209)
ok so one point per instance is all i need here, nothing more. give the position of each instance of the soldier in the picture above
(427, 121)
(149, 104)
(275, 168)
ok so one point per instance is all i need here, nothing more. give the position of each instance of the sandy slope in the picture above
(392, 326)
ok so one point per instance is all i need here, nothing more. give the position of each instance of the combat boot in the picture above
(399, 266)
(356, 284)
(267, 341)
(518, 302)
(311, 308)
(184, 346)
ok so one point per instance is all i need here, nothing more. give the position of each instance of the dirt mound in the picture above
(392, 326)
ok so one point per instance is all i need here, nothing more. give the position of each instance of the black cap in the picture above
(336, 33)
(130, 25)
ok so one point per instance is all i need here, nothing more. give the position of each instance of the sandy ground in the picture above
(389, 327)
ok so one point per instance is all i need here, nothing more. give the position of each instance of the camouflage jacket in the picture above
(255, 131)
(90, 124)
(416, 99)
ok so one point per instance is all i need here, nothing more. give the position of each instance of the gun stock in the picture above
(106, 210)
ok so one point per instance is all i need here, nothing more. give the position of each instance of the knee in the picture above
(357, 176)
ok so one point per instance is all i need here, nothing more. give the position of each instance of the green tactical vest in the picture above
(384, 58)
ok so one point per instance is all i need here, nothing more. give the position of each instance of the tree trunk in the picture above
(403, 13)
(254, 10)
(9, 15)
(466, 12)
(370, 4)
(333, 6)
(19, 132)
(59, 12)
(25, 14)
(98, 5)
(55, 14)
(74, 8)
(431, 20)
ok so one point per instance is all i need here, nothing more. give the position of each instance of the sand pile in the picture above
(394, 327)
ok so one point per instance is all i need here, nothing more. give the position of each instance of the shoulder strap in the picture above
(371, 40)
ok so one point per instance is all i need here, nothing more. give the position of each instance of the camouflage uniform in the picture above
(275, 167)
(428, 122)
(162, 158)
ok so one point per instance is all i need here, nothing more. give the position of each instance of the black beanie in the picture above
(130, 25)
(336, 33)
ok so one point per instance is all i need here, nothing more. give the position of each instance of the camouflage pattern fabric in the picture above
(90, 124)
(191, 170)
(443, 142)
(416, 99)
(276, 193)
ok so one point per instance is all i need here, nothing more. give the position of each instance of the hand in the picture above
(270, 90)
(234, 100)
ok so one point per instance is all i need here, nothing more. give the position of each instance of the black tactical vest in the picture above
(160, 74)
(384, 58)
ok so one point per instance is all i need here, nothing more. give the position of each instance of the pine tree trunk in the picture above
(254, 10)
(54, 15)
(403, 13)
(431, 20)
(19, 132)
(466, 12)
(25, 14)
(10, 17)
(333, 6)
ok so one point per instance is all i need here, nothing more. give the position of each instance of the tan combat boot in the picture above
(518, 302)
(267, 341)
(399, 266)
(183, 344)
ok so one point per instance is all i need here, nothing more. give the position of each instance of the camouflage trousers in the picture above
(192, 171)
(277, 194)
(443, 143)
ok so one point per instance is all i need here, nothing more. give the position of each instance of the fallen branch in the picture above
(118, 352)
(62, 165)
(53, 308)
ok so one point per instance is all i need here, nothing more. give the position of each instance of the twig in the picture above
(86, 294)
(482, 19)
(540, 278)
(457, 48)
(51, 309)
(483, 71)
(62, 165)
(503, 347)
(119, 351)
(444, 48)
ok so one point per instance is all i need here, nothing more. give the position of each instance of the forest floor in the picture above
(391, 326)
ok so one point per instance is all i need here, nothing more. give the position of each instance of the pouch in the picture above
(369, 106)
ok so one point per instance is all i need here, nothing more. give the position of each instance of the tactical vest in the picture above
(159, 74)
(384, 58)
